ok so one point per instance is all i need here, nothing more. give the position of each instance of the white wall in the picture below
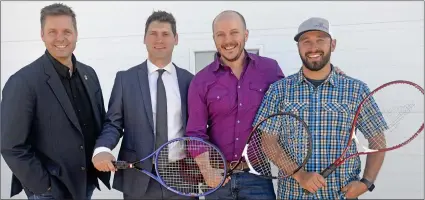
(376, 42)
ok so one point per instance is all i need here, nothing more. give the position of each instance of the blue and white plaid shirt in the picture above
(328, 110)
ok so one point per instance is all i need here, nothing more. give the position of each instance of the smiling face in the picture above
(59, 36)
(230, 36)
(315, 49)
(160, 40)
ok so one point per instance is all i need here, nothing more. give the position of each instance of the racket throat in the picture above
(366, 149)
(245, 155)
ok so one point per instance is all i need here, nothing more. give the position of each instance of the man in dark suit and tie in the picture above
(148, 108)
(52, 112)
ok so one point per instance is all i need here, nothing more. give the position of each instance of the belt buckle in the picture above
(232, 163)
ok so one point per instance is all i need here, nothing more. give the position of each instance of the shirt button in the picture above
(218, 97)
(237, 138)
(239, 86)
(236, 156)
(83, 168)
(238, 121)
(240, 104)
(261, 90)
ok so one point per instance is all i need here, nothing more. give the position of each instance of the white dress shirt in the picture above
(174, 112)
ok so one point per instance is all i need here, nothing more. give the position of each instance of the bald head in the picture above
(230, 35)
(229, 15)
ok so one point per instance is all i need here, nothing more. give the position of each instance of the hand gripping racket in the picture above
(278, 146)
(389, 117)
(176, 168)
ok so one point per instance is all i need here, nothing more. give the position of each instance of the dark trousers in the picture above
(49, 196)
(244, 185)
(156, 191)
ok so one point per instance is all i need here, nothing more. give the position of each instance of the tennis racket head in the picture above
(179, 171)
(388, 118)
(278, 146)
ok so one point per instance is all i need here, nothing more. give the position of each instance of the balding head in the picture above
(230, 35)
(229, 15)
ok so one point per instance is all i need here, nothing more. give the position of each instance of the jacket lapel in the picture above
(58, 89)
(146, 95)
(183, 93)
(89, 85)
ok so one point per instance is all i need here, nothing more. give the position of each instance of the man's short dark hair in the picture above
(230, 11)
(57, 9)
(162, 16)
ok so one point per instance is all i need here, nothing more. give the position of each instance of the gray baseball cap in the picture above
(313, 24)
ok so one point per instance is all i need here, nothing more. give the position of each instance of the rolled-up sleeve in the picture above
(198, 115)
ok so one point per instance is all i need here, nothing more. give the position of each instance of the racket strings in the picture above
(282, 142)
(181, 172)
(377, 142)
(391, 116)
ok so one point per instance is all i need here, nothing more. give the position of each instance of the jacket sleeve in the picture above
(114, 120)
(17, 112)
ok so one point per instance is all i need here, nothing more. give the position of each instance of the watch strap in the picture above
(370, 185)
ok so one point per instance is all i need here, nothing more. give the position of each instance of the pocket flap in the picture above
(260, 87)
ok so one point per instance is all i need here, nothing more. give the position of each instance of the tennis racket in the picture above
(177, 170)
(389, 117)
(278, 146)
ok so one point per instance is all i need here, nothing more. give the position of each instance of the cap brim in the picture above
(297, 37)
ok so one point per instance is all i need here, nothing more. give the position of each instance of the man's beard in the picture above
(316, 65)
(238, 55)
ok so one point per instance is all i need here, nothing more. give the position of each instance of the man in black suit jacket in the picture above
(52, 112)
(148, 107)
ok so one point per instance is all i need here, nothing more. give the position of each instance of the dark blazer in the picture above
(130, 109)
(41, 139)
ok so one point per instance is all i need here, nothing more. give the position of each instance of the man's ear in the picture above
(246, 35)
(176, 38)
(333, 45)
(42, 34)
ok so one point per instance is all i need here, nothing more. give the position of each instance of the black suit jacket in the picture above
(41, 139)
(130, 109)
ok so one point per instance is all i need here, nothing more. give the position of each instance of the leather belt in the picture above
(243, 166)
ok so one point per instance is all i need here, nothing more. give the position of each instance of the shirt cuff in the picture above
(101, 149)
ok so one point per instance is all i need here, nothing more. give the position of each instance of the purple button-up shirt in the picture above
(222, 108)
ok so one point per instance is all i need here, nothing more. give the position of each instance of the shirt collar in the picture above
(332, 78)
(168, 68)
(217, 61)
(60, 68)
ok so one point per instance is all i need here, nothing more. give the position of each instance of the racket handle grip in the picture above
(122, 164)
(325, 173)
(331, 168)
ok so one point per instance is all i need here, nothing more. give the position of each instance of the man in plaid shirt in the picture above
(327, 102)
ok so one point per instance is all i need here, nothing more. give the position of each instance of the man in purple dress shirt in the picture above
(224, 98)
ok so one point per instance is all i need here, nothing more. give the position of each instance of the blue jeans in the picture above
(48, 195)
(245, 186)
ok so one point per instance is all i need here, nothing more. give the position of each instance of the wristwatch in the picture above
(370, 185)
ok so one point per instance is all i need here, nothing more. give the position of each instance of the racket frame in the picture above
(326, 172)
(245, 150)
(158, 176)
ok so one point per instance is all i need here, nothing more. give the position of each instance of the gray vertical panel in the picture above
(204, 58)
